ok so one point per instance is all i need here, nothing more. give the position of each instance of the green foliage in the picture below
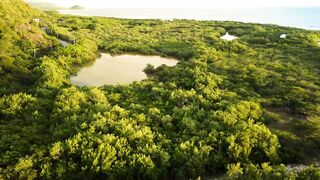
(219, 109)
(265, 171)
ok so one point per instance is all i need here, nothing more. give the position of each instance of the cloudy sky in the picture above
(183, 3)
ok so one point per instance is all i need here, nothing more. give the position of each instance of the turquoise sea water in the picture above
(307, 18)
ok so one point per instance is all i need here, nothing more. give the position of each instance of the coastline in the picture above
(288, 17)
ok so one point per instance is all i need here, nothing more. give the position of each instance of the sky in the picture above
(183, 3)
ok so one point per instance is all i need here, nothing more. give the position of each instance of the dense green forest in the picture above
(243, 109)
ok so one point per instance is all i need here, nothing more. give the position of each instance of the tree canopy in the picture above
(242, 109)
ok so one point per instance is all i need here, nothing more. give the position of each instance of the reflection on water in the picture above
(63, 43)
(114, 70)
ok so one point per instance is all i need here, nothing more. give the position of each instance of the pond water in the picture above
(118, 70)
(63, 43)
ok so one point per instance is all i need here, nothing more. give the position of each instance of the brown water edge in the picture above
(118, 69)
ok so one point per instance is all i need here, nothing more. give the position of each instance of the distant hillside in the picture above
(76, 7)
(44, 5)
(14, 11)
(20, 36)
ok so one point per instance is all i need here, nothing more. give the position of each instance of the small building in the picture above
(228, 37)
(37, 20)
(283, 36)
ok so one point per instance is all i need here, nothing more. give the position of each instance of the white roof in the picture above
(36, 19)
(283, 36)
(228, 37)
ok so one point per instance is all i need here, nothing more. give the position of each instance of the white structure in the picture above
(228, 37)
(283, 36)
(37, 20)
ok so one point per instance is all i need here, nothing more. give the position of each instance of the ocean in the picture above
(306, 18)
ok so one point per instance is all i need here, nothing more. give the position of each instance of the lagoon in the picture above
(118, 70)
